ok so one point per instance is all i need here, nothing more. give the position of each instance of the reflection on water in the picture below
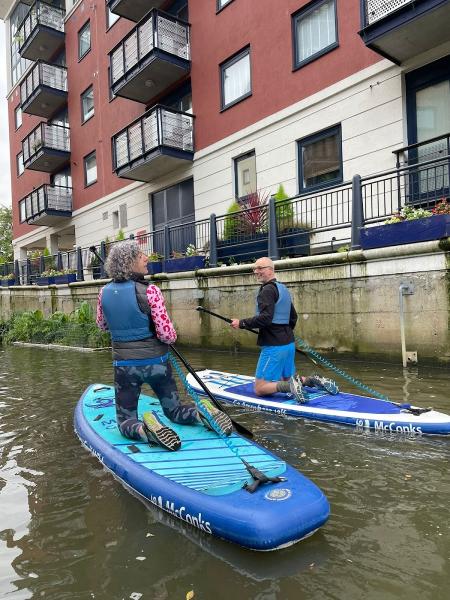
(69, 530)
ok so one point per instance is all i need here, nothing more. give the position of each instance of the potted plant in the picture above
(244, 235)
(191, 260)
(52, 276)
(293, 236)
(408, 226)
(7, 280)
(154, 263)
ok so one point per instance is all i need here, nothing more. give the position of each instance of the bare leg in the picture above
(266, 388)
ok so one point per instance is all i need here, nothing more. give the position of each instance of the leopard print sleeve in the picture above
(165, 331)
(100, 320)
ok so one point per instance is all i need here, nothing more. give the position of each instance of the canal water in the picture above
(69, 530)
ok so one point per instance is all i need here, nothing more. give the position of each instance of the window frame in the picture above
(236, 160)
(108, 13)
(85, 119)
(80, 32)
(19, 173)
(302, 13)
(85, 159)
(229, 62)
(18, 110)
(220, 8)
(310, 139)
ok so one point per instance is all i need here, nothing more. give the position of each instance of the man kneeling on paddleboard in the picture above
(275, 319)
(135, 314)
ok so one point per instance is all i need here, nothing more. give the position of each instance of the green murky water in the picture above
(69, 530)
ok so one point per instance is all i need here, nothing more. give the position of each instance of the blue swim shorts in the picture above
(276, 362)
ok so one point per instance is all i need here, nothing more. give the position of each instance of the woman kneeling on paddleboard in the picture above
(134, 312)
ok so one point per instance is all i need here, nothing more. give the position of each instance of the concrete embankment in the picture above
(347, 302)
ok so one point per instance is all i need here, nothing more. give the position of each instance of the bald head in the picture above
(264, 269)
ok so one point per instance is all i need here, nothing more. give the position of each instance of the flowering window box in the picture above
(406, 232)
(187, 263)
(7, 282)
(57, 279)
(154, 267)
(45, 280)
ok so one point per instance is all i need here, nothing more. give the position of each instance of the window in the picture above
(84, 40)
(123, 215)
(236, 79)
(20, 167)
(18, 65)
(90, 169)
(22, 211)
(87, 104)
(245, 175)
(222, 3)
(111, 18)
(314, 30)
(111, 93)
(320, 160)
(115, 219)
(18, 117)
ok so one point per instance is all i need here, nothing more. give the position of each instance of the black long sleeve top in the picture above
(270, 334)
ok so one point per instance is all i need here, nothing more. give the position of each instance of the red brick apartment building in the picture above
(131, 114)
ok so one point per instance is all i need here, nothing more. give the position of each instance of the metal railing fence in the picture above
(54, 137)
(53, 76)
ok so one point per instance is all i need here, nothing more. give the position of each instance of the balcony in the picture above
(47, 148)
(402, 29)
(44, 91)
(153, 56)
(47, 205)
(133, 10)
(153, 145)
(41, 33)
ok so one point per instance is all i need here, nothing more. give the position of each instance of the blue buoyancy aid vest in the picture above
(126, 321)
(282, 310)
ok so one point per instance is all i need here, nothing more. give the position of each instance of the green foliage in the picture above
(120, 236)
(155, 257)
(408, 213)
(232, 227)
(76, 329)
(6, 248)
(284, 209)
(55, 272)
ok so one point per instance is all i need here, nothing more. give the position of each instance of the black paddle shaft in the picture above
(239, 428)
(200, 308)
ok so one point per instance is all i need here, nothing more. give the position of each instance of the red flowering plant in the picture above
(442, 207)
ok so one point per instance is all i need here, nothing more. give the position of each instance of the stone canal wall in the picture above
(347, 302)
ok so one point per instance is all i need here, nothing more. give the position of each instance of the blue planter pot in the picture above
(69, 278)
(294, 242)
(243, 249)
(154, 267)
(7, 282)
(406, 232)
(187, 263)
(45, 280)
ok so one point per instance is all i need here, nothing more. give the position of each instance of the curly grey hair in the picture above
(121, 258)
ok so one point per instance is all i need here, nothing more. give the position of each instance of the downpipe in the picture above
(405, 289)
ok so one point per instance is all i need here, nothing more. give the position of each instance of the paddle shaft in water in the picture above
(200, 308)
(239, 428)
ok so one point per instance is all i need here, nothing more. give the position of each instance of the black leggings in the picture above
(128, 382)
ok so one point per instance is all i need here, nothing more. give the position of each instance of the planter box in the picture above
(245, 249)
(7, 282)
(294, 242)
(187, 263)
(406, 232)
(154, 267)
(45, 280)
(68, 278)
(57, 279)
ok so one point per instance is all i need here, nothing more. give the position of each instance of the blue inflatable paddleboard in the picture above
(202, 483)
(362, 412)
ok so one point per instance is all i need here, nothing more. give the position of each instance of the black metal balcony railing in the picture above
(41, 33)
(133, 10)
(46, 148)
(402, 29)
(153, 56)
(46, 205)
(43, 92)
(154, 144)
